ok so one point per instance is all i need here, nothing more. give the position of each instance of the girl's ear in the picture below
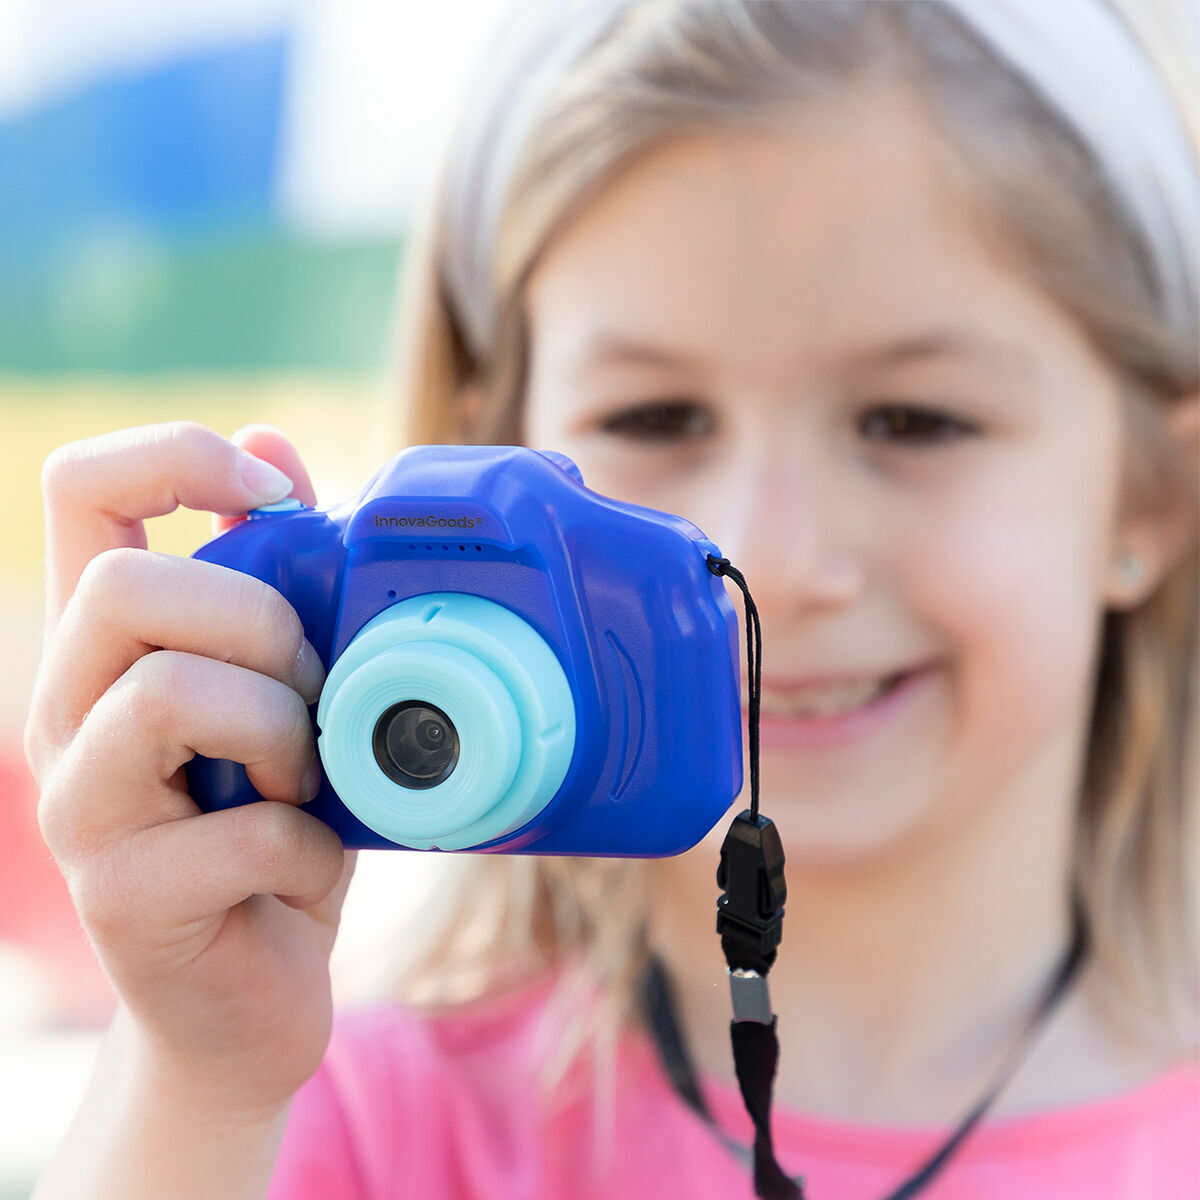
(1150, 542)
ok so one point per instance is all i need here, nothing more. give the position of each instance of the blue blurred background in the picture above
(145, 230)
(203, 207)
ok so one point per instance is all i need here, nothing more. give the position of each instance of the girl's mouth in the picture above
(816, 715)
(828, 700)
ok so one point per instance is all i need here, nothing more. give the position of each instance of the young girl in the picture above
(897, 302)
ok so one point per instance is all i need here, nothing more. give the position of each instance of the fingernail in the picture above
(310, 674)
(310, 785)
(266, 482)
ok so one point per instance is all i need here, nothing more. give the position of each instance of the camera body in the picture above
(516, 664)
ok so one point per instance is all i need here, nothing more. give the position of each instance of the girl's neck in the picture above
(902, 982)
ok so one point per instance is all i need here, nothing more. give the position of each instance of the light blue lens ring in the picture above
(539, 688)
(482, 712)
(517, 654)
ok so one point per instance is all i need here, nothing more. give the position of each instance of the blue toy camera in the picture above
(515, 663)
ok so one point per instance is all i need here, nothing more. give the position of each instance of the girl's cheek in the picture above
(1016, 605)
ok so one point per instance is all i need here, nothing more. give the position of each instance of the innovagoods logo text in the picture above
(429, 522)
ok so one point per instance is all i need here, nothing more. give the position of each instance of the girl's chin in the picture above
(840, 820)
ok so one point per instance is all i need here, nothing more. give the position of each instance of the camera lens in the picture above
(415, 744)
(431, 734)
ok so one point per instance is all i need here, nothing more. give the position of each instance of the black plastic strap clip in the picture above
(750, 909)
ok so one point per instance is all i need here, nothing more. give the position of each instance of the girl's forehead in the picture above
(811, 228)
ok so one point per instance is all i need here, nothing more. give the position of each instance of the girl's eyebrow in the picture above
(1012, 358)
(608, 347)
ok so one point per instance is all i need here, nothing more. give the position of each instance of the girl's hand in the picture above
(214, 928)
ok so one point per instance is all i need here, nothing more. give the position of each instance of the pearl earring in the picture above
(1130, 568)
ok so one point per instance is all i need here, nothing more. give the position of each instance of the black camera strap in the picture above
(750, 921)
(661, 1016)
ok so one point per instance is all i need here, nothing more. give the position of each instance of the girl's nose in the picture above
(792, 530)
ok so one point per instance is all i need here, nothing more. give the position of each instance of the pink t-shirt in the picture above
(446, 1108)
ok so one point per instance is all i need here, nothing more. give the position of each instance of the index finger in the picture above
(98, 492)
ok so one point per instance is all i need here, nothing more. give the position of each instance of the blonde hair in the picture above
(665, 69)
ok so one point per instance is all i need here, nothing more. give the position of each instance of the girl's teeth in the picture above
(823, 702)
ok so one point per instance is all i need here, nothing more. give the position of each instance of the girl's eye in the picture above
(660, 421)
(912, 425)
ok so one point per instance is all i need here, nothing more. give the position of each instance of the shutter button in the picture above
(291, 504)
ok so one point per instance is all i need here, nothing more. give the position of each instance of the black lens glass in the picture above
(415, 744)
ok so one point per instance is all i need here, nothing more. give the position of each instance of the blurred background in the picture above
(203, 209)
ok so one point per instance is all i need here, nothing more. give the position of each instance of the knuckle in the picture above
(43, 745)
(100, 893)
(59, 469)
(51, 823)
(265, 835)
(149, 692)
(190, 442)
(112, 574)
(184, 434)
(63, 828)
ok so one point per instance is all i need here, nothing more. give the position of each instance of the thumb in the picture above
(268, 443)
